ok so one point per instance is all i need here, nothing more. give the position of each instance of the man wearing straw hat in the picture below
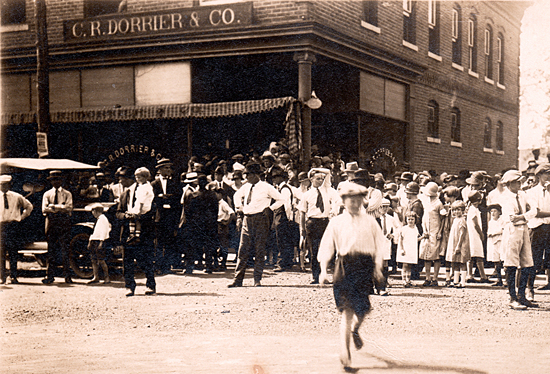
(14, 208)
(57, 206)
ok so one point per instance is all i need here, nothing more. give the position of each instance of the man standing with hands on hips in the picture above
(254, 208)
(14, 208)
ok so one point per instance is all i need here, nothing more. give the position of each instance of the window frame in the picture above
(472, 47)
(487, 134)
(17, 14)
(433, 120)
(500, 60)
(499, 137)
(488, 51)
(409, 22)
(455, 125)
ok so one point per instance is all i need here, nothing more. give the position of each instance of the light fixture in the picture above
(314, 102)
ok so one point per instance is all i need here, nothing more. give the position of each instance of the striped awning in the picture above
(170, 111)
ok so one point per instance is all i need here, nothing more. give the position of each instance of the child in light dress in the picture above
(495, 229)
(407, 250)
(450, 194)
(143, 196)
(476, 236)
(432, 228)
(458, 248)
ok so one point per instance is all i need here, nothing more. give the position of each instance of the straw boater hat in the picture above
(351, 167)
(353, 189)
(268, 154)
(164, 162)
(385, 202)
(93, 206)
(191, 177)
(5, 178)
(55, 174)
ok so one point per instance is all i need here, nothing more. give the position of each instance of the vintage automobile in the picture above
(29, 178)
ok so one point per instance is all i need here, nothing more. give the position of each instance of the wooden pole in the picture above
(42, 68)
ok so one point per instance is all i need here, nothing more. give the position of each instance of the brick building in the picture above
(419, 84)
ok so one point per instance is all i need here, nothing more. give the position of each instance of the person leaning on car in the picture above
(14, 208)
(57, 206)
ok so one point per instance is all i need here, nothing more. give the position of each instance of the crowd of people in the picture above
(272, 215)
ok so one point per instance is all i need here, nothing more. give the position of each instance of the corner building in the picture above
(403, 84)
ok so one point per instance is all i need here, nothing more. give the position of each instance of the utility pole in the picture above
(42, 78)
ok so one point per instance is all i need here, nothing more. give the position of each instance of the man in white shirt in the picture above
(14, 208)
(318, 205)
(539, 198)
(253, 205)
(516, 243)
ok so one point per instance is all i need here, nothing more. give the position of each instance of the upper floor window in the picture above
(456, 33)
(433, 119)
(455, 125)
(489, 52)
(13, 12)
(500, 136)
(433, 24)
(371, 12)
(500, 60)
(409, 21)
(487, 141)
(94, 8)
(472, 47)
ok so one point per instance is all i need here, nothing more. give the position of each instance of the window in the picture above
(457, 36)
(433, 120)
(487, 143)
(94, 8)
(13, 12)
(455, 125)
(489, 52)
(409, 21)
(500, 137)
(371, 12)
(472, 49)
(433, 24)
(500, 60)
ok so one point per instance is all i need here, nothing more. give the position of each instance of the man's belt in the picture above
(319, 219)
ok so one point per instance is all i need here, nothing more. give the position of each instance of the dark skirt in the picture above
(353, 283)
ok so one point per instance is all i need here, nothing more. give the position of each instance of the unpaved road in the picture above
(197, 325)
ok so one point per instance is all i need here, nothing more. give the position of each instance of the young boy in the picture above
(96, 245)
(143, 199)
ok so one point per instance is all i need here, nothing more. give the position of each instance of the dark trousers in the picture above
(143, 255)
(167, 254)
(540, 246)
(511, 280)
(223, 238)
(9, 243)
(315, 228)
(58, 236)
(253, 239)
(288, 234)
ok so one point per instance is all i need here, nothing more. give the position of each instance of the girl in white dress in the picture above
(495, 229)
(476, 236)
(407, 250)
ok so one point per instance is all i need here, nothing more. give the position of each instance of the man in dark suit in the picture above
(142, 251)
(167, 192)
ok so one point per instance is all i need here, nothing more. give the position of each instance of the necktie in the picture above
(320, 204)
(249, 198)
(384, 224)
(134, 198)
(56, 199)
(6, 204)
(519, 205)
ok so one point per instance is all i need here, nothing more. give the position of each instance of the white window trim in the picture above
(370, 27)
(488, 42)
(487, 150)
(499, 152)
(457, 66)
(454, 25)
(407, 7)
(14, 27)
(456, 144)
(432, 16)
(501, 86)
(489, 80)
(433, 140)
(434, 56)
(473, 73)
(471, 33)
(410, 45)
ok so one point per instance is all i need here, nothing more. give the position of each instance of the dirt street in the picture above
(195, 324)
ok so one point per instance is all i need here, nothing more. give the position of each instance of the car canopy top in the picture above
(44, 164)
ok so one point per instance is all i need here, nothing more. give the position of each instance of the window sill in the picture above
(456, 144)
(457, 66)
(370, 27)
(410, 45)
(435, 57)
(487, 150)
(490, 81)
(499, 152)
(473, 73)
(433, 140)
(13, 28)
(501, 86)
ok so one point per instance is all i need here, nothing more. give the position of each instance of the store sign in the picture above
(42, 144)
(175, 21)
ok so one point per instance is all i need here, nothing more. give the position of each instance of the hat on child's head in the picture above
(412, 188)
(495, 206)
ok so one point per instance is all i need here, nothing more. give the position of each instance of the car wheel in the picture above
(79, 256)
